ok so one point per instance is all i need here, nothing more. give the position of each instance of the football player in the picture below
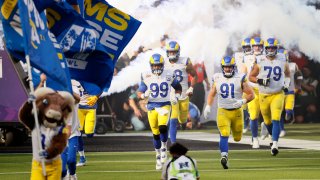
(155, 86)
(181, 66)
(295, 83)
(229, 86)
(271, 73)
(241, 66)
(253, 107)
(87, 119)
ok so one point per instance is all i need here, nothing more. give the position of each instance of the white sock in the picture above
(163, 145)
(81, 153)
(275, 143)
(224, 154)
(157, 152)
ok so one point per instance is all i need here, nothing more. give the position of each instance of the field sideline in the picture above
(245, 163)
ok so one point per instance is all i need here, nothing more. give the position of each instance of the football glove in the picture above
(91, 100)
(189, 91)
(146, 94)
(264, 81)
(239, 103)
(207, 111)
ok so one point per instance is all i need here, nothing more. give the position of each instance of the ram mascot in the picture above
(54, 109)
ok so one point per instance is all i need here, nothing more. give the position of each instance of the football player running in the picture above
(295, 83)
(230, 86)
(241, 66)
(271, 73)
(155, 86)
(181, 66)
(253, 107)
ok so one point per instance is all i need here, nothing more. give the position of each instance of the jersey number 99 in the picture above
(157, 90)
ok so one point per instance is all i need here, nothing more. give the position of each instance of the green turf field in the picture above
(244, 164)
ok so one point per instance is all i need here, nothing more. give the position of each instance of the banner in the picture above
(42, 47)
(88, 61)
(115, 28)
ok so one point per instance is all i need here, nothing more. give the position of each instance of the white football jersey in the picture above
(273, 69)
(238, 56)
(180, 70)
(45, 138)
(159, 85)
(249, 61)
(293, 69)
(229, 90)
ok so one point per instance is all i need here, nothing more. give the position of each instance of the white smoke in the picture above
(205, 29)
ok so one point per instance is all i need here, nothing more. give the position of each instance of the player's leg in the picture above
(236, 124)
(174, 122)
(153, 122)
(90, 122)
(72, 155)
(163, 119)
(64, 158)
(276, 110)
(254, 112)
(183, 111)
(265, 102)
(54, 169)
(36, 171)
(82, 116)
(223, 123)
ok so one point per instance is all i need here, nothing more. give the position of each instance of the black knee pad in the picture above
(163, 129)
(156, 137)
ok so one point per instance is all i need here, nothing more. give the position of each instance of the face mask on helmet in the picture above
(246, 47)
(271, 51)
(173, 51)
(246, 50)
(228, 66)
(157, 64)
(257, 45)
(271, 47)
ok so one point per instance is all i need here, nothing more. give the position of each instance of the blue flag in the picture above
(115, 28)
(41, 46)
(88, 61)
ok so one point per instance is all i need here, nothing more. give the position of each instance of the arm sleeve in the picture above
(142, 87)
(176, 85)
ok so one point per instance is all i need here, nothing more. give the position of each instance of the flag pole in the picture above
(35, 113)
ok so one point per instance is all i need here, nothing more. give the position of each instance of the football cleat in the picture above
(274, 149)
(158, 162)
(255, 143)
(163, 153)
(264, 131)
(82, 161)
(224, 162)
